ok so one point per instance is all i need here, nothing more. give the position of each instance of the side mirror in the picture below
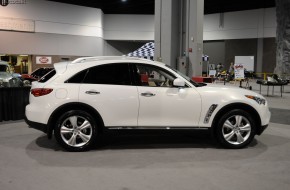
(178, 82)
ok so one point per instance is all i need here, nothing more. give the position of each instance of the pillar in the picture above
(260, 41)
(260, 51)
(179, 32)
(283, 37)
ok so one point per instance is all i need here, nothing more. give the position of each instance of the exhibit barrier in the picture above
(12, 103)
(263, 75)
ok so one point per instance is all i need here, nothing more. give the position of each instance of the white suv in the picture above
(80, 98)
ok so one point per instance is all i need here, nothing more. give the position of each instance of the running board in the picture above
(157, 128)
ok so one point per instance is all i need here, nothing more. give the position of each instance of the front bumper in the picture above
(35, 125)
(261, 129)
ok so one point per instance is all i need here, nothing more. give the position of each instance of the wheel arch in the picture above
(241, 106)
(73, 106)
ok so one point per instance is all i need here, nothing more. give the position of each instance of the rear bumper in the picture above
(35, 125)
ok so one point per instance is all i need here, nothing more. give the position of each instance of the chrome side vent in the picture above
(209, 112)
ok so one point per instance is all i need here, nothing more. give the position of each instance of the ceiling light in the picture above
(124, 1)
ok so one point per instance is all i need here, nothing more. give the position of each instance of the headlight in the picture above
(257, 99)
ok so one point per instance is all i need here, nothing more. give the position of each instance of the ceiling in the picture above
(147, 6)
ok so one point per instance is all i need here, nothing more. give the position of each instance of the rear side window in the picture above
(78, 78)
(47, 76)
(113, 74)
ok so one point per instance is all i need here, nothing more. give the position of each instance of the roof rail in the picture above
(86, 59)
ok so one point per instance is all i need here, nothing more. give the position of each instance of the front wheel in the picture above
(235, 129)
(75, 131)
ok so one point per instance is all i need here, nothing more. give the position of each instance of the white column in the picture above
(195, 36)
(179, 30)
(283, 37)
(260, 41)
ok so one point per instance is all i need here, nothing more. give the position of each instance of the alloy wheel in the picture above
(76, 131)
(236, 129)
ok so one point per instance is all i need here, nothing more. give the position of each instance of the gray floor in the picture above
(154, 160)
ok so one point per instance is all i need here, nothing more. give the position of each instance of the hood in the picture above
(227, 90)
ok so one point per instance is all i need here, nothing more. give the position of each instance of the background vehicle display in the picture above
(8, 78)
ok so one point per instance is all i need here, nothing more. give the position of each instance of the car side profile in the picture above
(79, 99)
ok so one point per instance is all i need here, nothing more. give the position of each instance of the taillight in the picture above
(41, 91)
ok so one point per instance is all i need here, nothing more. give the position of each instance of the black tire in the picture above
(70, 136)
(230, 135)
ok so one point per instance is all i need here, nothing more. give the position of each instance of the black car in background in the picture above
(37, 74)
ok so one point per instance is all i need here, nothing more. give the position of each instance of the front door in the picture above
(161, 104)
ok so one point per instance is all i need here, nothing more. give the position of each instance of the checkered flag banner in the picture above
(146, 51)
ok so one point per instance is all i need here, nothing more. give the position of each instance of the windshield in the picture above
(4, 68)
(184, 76)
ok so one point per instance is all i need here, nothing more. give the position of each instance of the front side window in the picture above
(186, 77)
(113, 74)
(153, 76)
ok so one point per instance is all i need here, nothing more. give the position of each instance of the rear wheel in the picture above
(236, 129)
(76, 130)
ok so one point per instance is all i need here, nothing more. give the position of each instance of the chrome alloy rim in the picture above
(236, 129)
(76, 131)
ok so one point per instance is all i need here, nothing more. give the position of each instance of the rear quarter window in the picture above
(111, 74)
(78, 78)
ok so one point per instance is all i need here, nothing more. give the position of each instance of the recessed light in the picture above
(124, 1)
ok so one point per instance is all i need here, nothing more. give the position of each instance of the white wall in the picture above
(49, 44)
(128, 27)
(76, 22)
(57, 18)
(60, 29)
(258, 23)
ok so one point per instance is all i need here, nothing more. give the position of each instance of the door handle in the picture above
(147, 94)
(92, 92)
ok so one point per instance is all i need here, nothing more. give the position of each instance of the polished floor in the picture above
(158, 160)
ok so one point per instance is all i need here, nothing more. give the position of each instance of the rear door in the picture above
(108, 88)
